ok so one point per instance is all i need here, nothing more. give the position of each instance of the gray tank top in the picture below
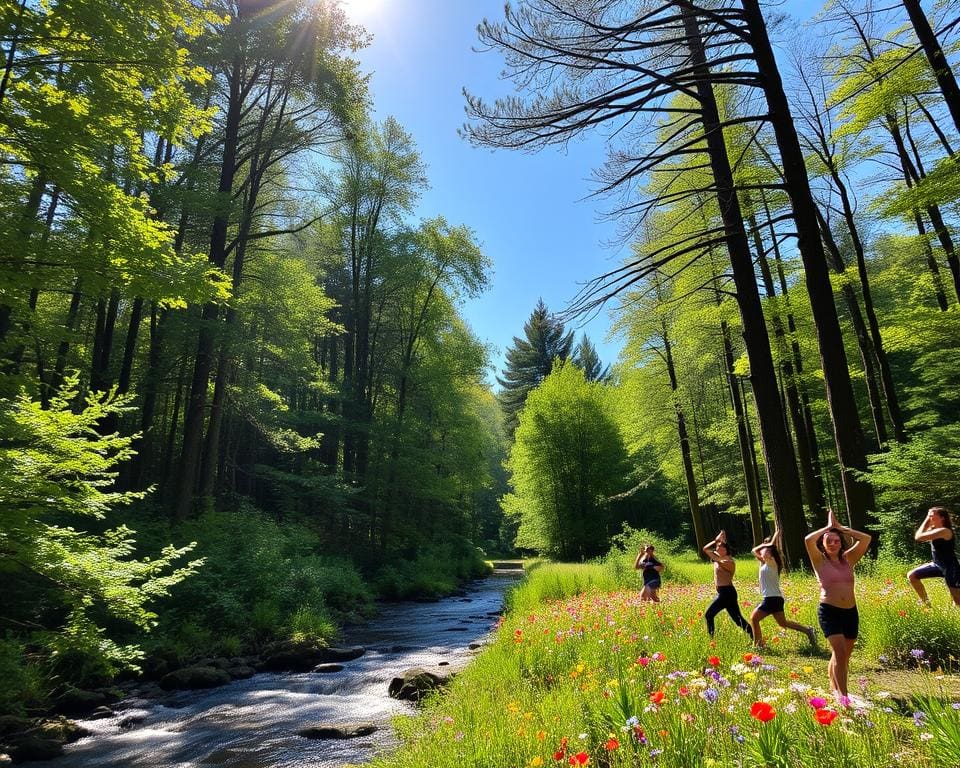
(769, 581)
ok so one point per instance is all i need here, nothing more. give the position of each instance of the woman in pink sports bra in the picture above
(833, 563)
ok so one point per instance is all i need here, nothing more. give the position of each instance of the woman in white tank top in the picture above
(771, 564)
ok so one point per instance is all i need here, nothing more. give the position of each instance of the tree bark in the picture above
(196, 403)
(782, 476)
(938, 62)
(848, 434)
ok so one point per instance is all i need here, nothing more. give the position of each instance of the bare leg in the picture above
(955, 594)
(917, 584)
(755, 618)
(655, 594)
(839, 659)
(782, 620)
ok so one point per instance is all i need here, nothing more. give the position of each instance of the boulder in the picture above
(100, 713)
(32, 747)
(62, 730)
(326, 669)
(415, 683)
(302, 657)
(336, 655)
(74, 701)
(339, 731)
(241, 672)
(194, 677)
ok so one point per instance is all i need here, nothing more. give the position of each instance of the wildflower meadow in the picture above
(581, 672)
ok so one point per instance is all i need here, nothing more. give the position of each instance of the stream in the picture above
(253, 723)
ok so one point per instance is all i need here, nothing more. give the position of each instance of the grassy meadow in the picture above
(582, 673)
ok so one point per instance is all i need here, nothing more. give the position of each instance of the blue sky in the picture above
(528, 211)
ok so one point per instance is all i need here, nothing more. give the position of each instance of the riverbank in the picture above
(257, 722)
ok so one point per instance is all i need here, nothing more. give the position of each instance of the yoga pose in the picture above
(768, 553)
(724, 566)
(938, 530)
(652, 568)
(833, 563)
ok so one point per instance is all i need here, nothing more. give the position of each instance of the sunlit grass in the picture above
(582, 672)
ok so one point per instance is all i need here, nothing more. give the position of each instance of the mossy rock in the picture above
(189, 678)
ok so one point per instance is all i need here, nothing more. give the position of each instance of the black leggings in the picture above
(726, 600)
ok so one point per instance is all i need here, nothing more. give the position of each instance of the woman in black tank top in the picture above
(938, 530)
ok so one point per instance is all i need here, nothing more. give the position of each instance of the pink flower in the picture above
(818, 702)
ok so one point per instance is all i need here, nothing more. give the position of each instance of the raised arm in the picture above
(638, 563)
(810, 542)
(861, 544)
(928, 531)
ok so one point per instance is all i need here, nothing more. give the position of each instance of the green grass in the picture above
(579, 663)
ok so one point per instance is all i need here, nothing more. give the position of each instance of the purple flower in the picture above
(654, 753)
(918, 719)
(917, 653)
(956, 705)
(711, 695)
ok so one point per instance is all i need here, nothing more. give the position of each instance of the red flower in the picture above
(559, 755)
(683, 690)
(656, 697)
(748, 657)
(824, 716)
(762, 711)
(714, 661)
(580, 758)
(612, 744)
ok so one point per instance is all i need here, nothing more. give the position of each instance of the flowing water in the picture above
(253, 723)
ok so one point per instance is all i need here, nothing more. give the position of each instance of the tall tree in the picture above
(529, 360)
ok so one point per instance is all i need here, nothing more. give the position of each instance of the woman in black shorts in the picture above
(833, 562)
(770, 566)
(938, 530)
(652, 568)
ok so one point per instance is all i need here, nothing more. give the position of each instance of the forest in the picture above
(240, 400)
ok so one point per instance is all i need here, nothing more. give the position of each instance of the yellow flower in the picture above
(536, 762)
(808, 670)
(513, 707)
(541, 735)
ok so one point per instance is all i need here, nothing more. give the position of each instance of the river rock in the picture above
(474, 646)
(100, 713)
(326, 669)
(241, 672)
(415, 683)
(336, 655)
(217, 663)
(31, 747)
(194, 677)
(74, 701)
(340, 731)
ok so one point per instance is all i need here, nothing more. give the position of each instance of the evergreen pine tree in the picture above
(585, 357)
(530, 360)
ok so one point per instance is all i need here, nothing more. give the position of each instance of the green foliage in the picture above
(567, 463)
(68, 572)
(23, 686)
(262, 581)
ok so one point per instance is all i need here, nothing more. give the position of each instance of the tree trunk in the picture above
(809, 473)
(886, 376)
(938, 62)
(782, 476)
(196, 404)
(848, 434)
(835, 259)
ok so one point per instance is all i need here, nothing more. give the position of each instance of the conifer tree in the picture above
(530, 360)
(585, 357)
